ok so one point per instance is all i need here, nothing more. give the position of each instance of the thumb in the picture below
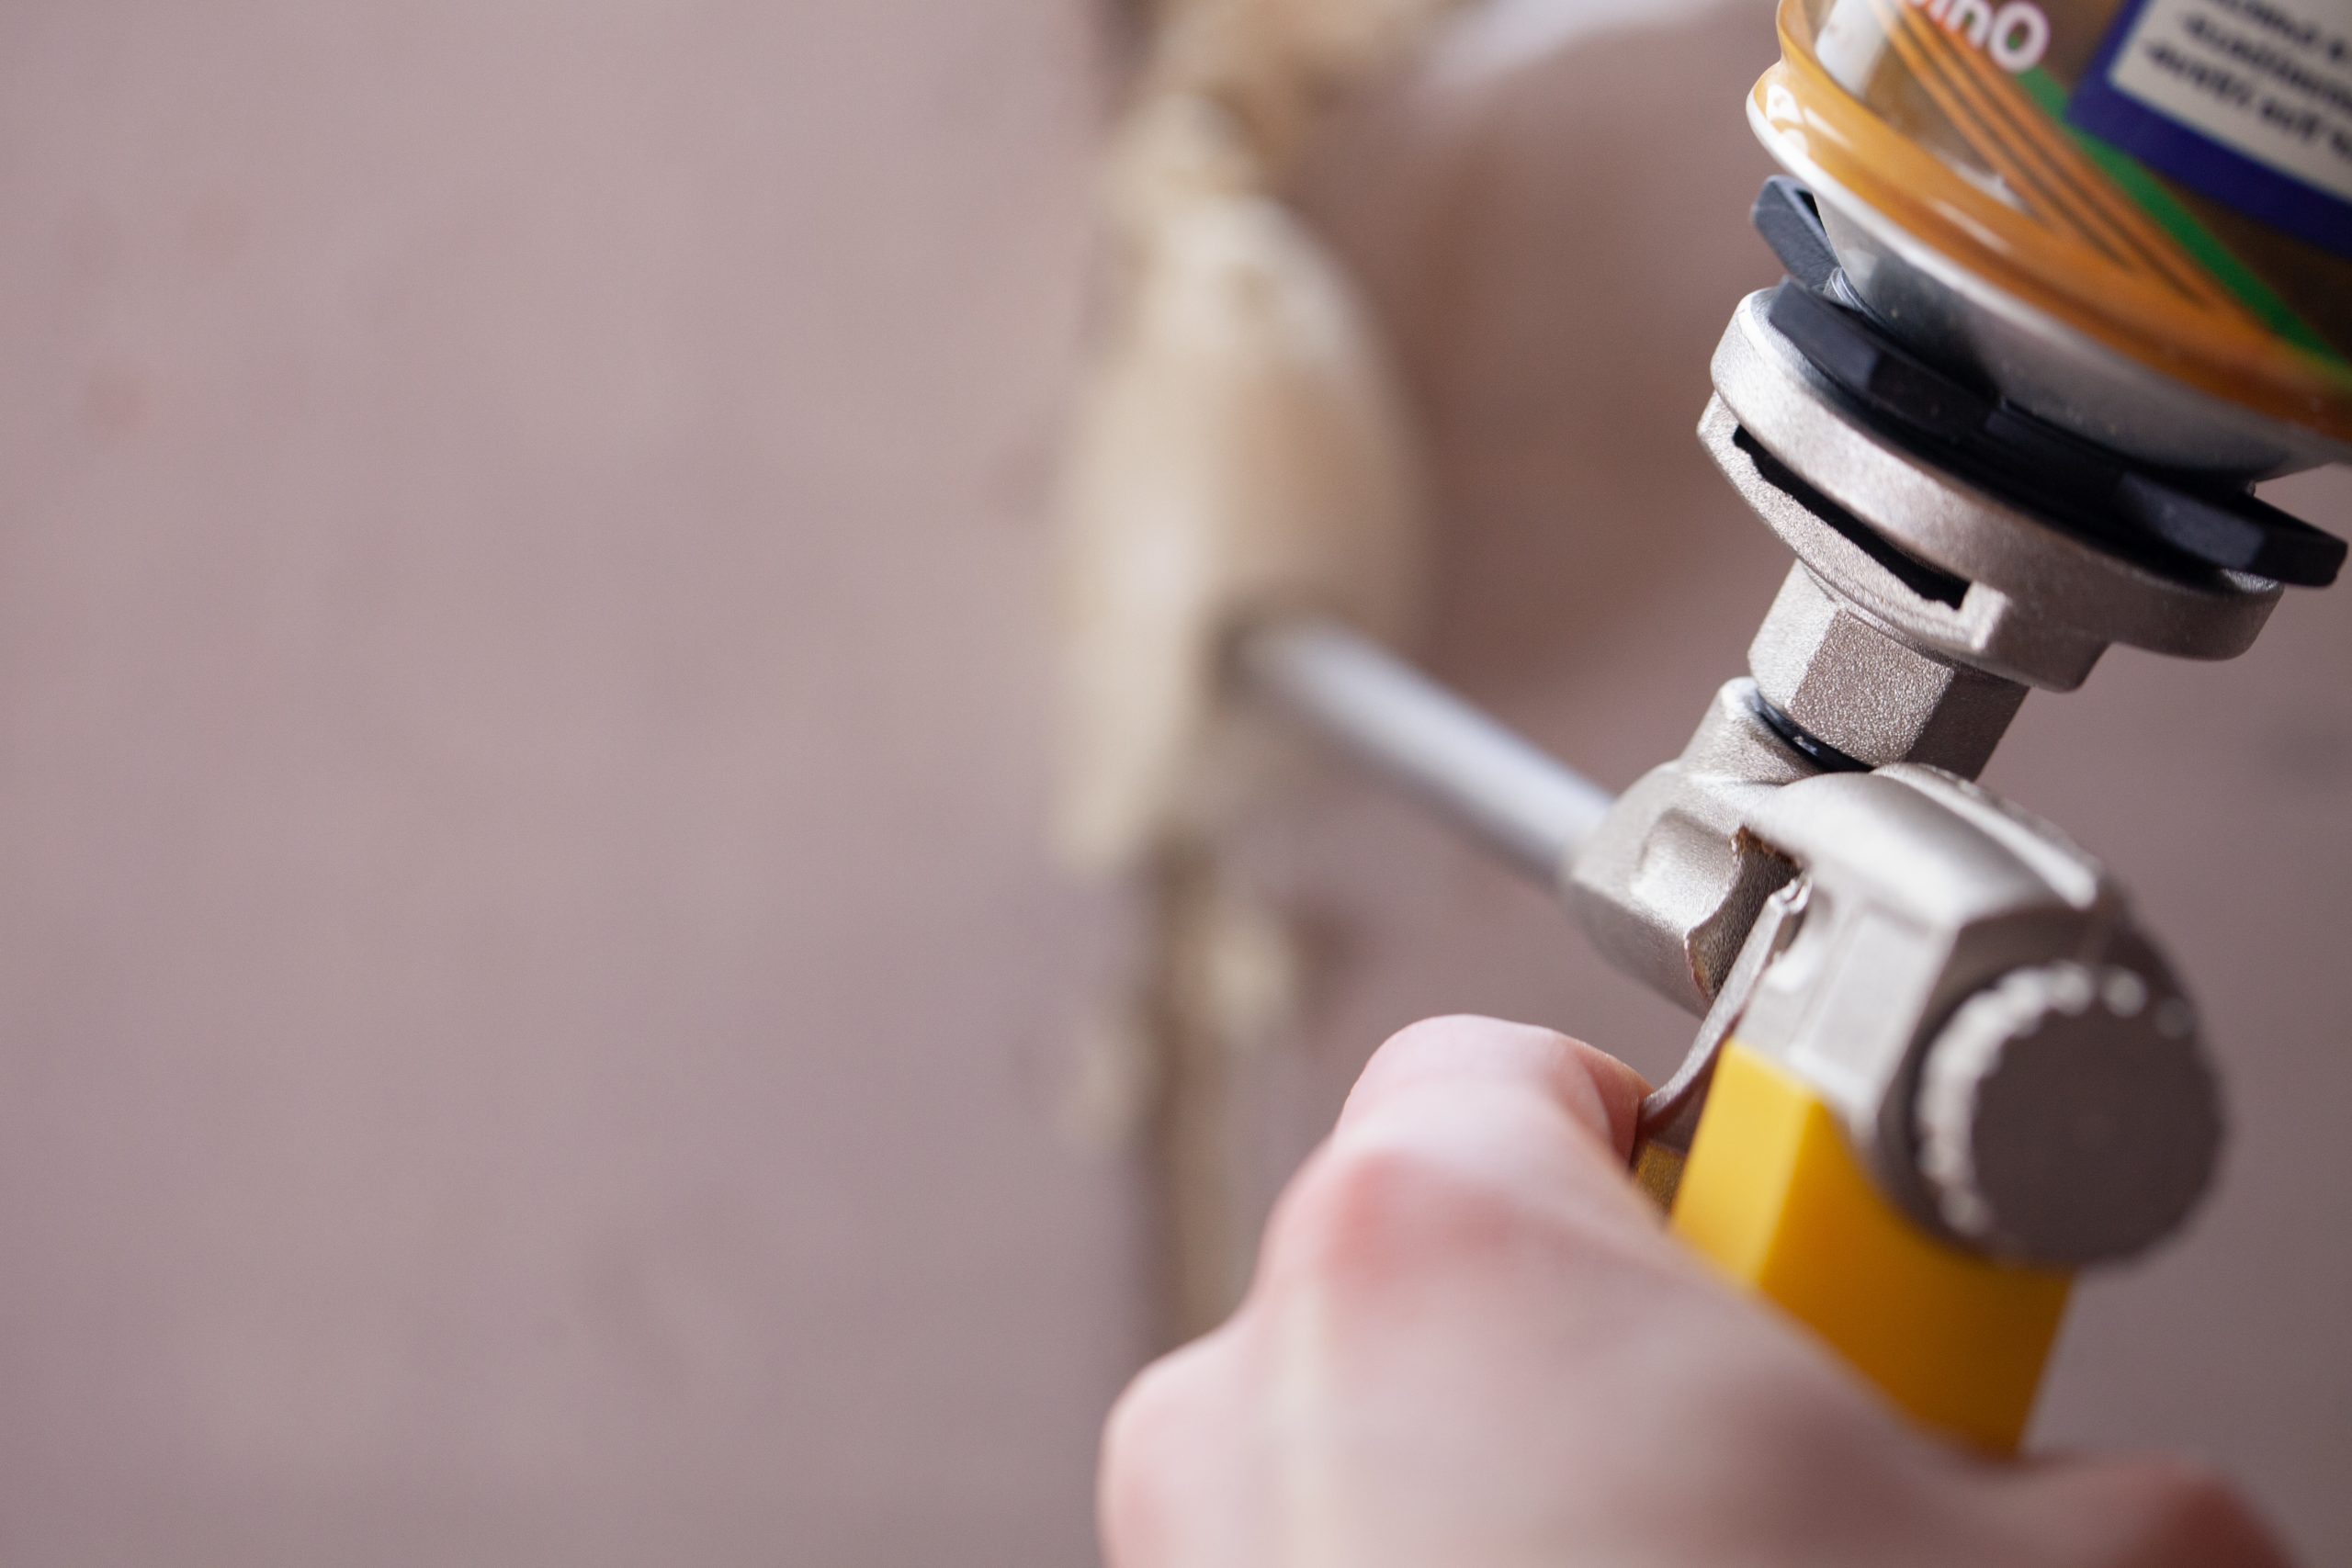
(2141, 1513)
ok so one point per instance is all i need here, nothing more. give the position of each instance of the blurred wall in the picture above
(533, 1019)
(524, 948)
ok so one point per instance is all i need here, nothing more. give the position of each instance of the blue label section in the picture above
(2239, 78)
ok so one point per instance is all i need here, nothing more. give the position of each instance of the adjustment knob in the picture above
(2065, 1115)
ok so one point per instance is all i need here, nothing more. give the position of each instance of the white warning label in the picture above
(2270, 79)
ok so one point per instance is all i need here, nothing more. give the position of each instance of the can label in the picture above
(2173, 177)
(2248, 102)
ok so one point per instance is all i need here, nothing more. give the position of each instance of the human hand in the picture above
(1471, 1344)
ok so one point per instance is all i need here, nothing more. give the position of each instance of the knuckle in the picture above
(2189, 1514)
(1143, 1441)
(2214, 1524)
(1145, 1416)
(1368, 1216)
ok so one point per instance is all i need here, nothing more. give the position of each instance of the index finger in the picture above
(1589, 1086)
(1523, 1112)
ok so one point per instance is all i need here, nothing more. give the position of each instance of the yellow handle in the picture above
(1773, 1195)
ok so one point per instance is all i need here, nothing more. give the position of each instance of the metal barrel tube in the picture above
(1514, 798)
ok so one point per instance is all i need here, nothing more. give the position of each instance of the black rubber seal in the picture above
(2182, 525)
(1806, 743)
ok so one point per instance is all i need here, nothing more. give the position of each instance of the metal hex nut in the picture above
(1844, 679)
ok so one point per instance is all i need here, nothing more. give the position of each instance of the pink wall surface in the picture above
(532, 1009)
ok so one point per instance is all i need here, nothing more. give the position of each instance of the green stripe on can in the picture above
(2185, 229)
